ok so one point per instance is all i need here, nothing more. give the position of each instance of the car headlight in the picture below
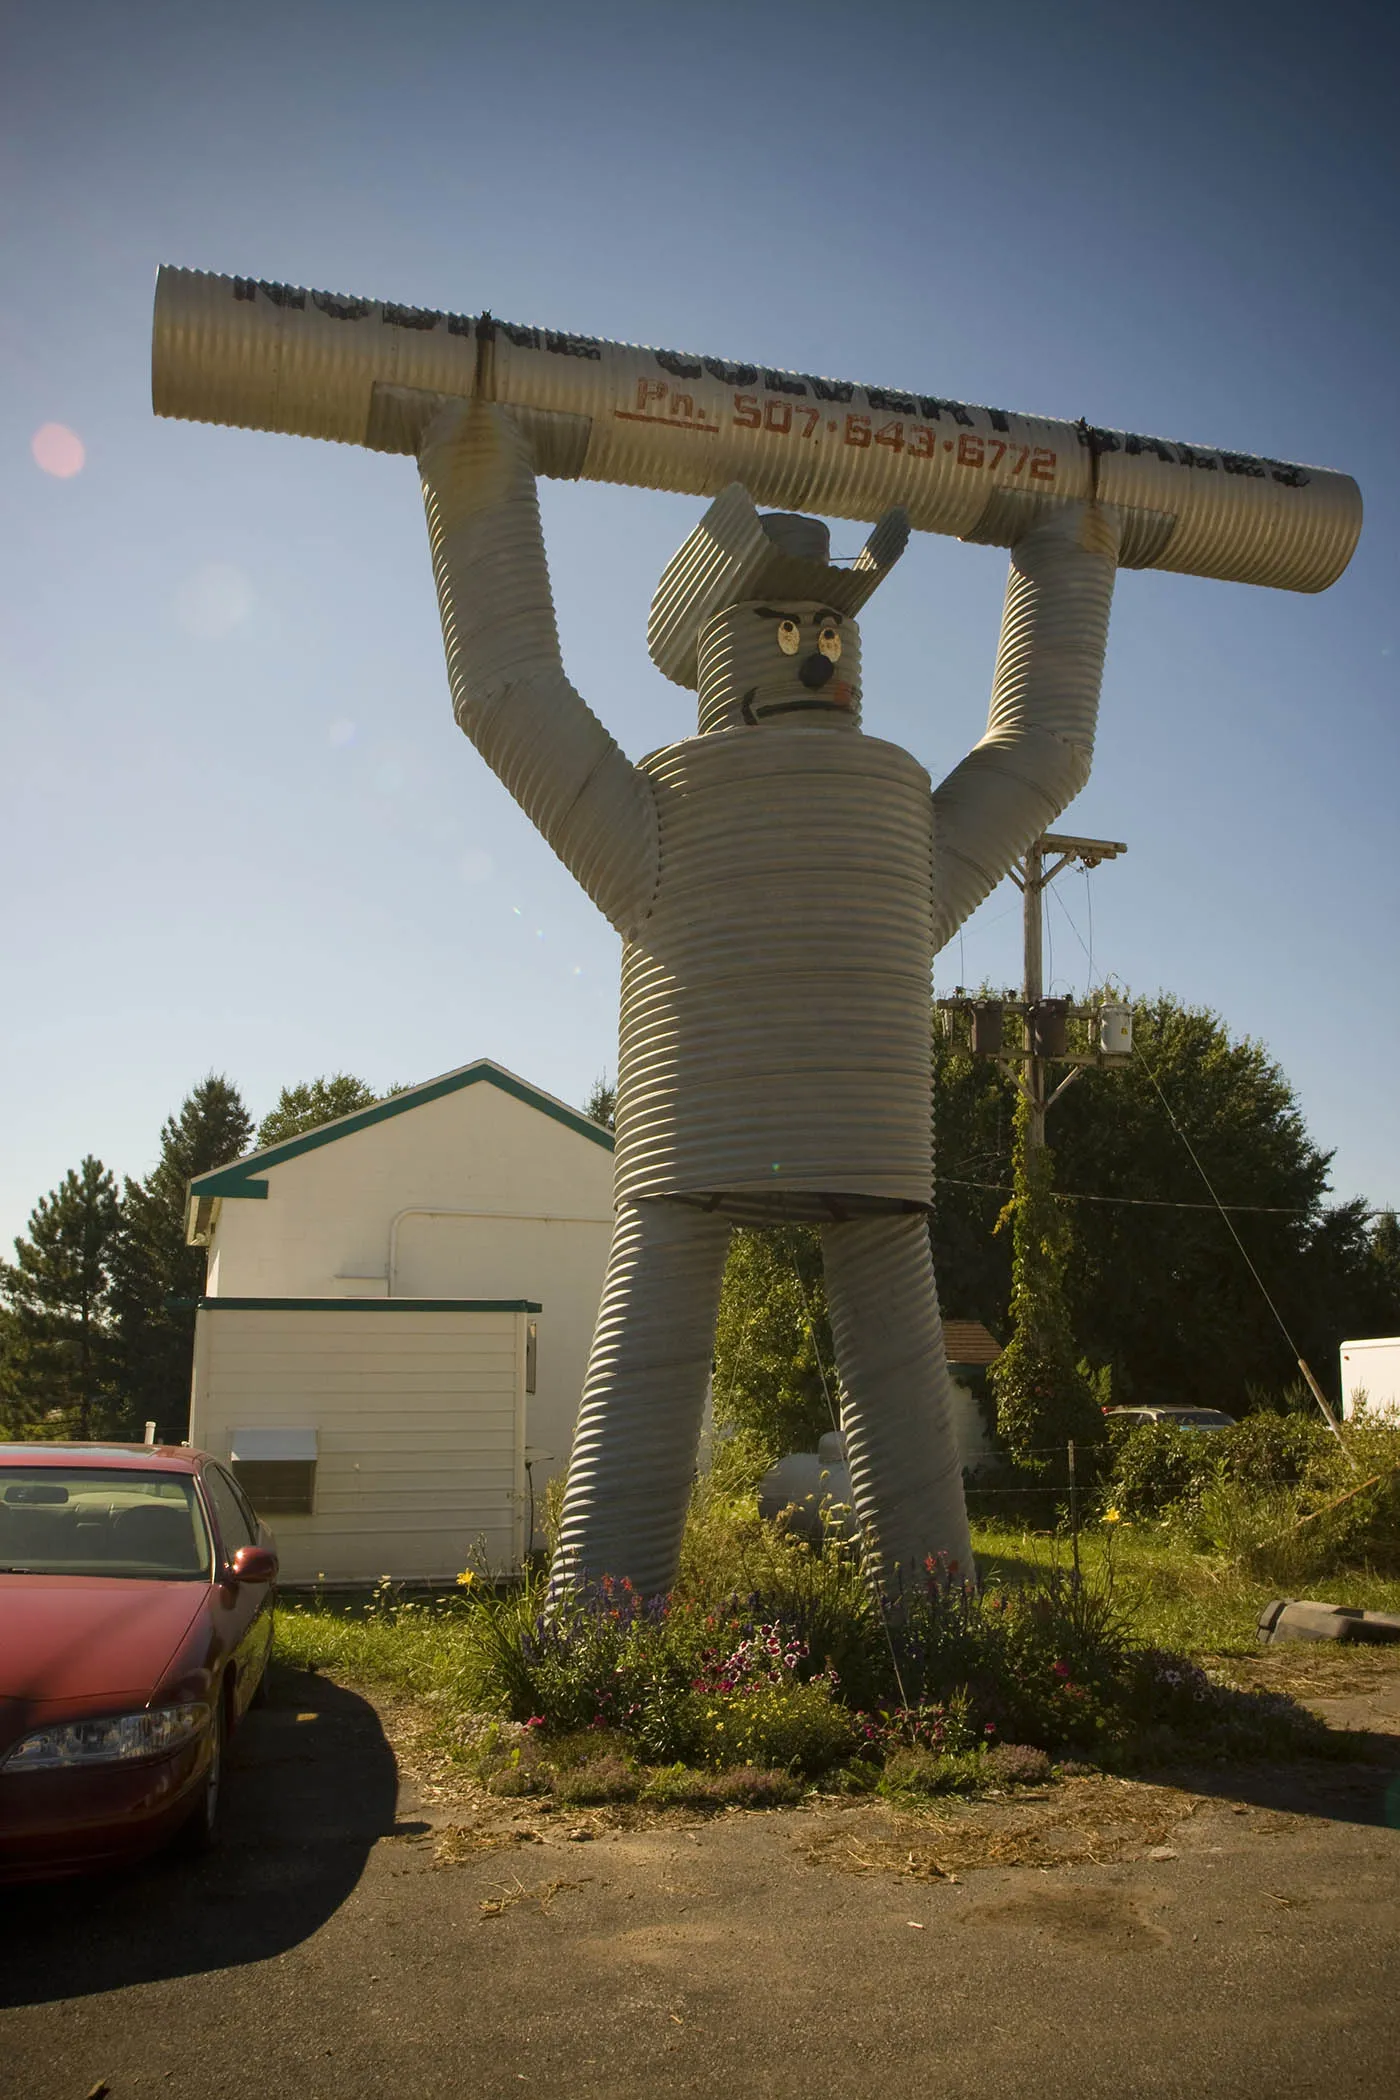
(114, 1739)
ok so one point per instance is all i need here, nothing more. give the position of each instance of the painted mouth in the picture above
(755, 715)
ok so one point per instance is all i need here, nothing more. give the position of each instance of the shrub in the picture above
(599, 1780)
(1017, 1764)
(1272, 1451)
(915, 1771)
(752, 1786)
(797, 1726)
(737, 1786)
(514, 1779)
(1157, 1466)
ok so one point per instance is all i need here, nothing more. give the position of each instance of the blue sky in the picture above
(239, 828)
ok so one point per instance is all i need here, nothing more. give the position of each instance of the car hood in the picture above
(84, 1637)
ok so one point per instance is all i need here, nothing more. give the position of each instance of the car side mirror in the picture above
(254, 1564)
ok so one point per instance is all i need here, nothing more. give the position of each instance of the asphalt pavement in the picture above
(360, 1936)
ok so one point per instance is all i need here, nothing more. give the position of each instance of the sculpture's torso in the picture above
(775, 1030)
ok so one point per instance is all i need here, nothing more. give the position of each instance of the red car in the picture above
(137, 1587)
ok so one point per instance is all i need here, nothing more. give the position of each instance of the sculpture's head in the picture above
(752, 615)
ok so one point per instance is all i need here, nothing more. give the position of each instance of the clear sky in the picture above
(240, 830)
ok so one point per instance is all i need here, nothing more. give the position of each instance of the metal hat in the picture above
(735, 554)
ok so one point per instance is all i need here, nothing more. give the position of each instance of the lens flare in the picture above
(58, 450)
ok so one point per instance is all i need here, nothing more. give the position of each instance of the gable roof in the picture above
(243, 1177)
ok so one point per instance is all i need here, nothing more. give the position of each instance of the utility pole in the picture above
(1043, 1026)
(1044, 1022)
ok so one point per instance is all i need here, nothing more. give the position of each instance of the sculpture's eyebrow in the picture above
(828, 614)
(770, 612)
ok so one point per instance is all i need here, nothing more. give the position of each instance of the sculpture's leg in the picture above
(897, 1410)
(633, 1459)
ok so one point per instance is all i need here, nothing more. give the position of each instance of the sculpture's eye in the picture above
(829, 642)
(789, 637)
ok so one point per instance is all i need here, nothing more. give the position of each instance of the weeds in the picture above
(772, 1666)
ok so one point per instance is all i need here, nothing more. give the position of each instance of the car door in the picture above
(243, 1611)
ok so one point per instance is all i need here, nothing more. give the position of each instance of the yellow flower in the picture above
(1111, 1516)
(465, 1579)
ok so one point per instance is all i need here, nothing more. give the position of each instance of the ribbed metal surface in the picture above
(897, 1405)
(638, 1430)
(273, 357)
(1036, 753)
(775, 1043)
(509, 691)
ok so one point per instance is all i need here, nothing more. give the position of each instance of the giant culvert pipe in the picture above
(264, 356)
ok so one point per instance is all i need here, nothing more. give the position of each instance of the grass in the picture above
(1172, 1596)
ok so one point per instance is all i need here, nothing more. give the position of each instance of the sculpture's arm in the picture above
(509, 691)
(1035, 755)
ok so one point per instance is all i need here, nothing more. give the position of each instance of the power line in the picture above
(1273, 1210)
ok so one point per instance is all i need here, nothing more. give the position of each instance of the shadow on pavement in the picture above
(311, 1785)
(1365, 1789)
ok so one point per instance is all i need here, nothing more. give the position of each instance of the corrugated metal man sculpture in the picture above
(781, 882)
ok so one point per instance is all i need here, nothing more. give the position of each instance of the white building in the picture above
(396, 1324)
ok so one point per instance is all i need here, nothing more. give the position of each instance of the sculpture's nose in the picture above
(816, 671)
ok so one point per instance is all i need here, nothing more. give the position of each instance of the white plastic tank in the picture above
(814, 1487)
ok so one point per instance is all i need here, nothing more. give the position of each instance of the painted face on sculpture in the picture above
(789, 665)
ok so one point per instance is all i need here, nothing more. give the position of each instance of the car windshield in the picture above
(1201, 1418)
(86, 1520)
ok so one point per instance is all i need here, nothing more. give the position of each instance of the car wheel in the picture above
(201, 1832)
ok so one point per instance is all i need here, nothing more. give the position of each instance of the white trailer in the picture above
(1371, 1369)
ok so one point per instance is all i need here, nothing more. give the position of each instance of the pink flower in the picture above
(1061, 1670)
(535, 1721)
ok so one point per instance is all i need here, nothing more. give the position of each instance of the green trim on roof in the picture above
(239, 1178)
(227, 1181)
(482, 1305)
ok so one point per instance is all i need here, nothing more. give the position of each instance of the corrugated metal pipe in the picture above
(268, 356)
(509, 691)
(1039, 742)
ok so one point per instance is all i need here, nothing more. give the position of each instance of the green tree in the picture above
(153, 1266)
(316, 1101)
(601, 1105)
(974, 1117)
(1383, 1268)
(1043, 1398)
(55, 1339)
(767, 1374)
(1154, 1285)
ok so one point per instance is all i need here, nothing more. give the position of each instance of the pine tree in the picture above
(153, 1265)
(55, 1337)
(601, 1105)
(1043, 1397)
(314, 1102)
